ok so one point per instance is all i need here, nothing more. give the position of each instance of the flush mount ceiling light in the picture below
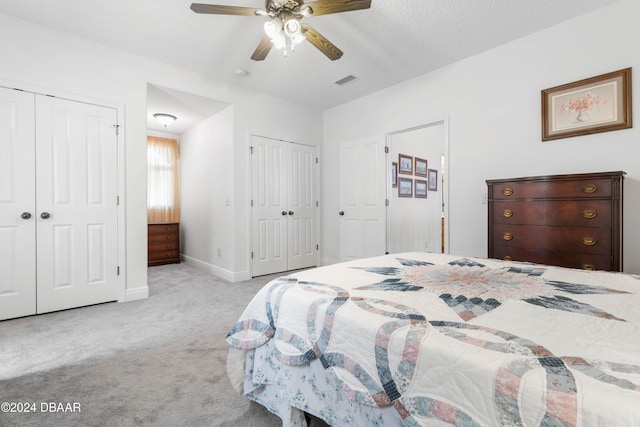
(165, 119)
(285, 30)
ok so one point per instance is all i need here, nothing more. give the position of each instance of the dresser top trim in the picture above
(572, 177)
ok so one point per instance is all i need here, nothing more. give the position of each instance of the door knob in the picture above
(290, 212)
(26, 215)
(284, 213)
(45, 215)
(341, 213)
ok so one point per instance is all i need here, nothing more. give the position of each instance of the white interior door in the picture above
(362, 198)
(76, 201)
(17, 204)
(269, 211)
(283, 215)
(302, 207)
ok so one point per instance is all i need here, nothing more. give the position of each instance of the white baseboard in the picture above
(329, 261)
(215, 270)
(136, 293)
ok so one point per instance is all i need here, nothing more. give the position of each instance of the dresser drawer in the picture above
(156, 238)
(163, 246)
(171, 228)
(560, 239)
(574, 213)
(583, 261)
(587, 188)
(168, 255)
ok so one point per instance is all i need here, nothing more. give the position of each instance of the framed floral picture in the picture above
(405, 187)
(596, 104)
(420, 168)
(405, 164)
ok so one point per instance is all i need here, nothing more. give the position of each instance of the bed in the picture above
(419, 339)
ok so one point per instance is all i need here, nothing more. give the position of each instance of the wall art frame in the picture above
(596, 104)
(433, 180)
(420, 167)
(405, 187)
(421, 188)
(405, 164)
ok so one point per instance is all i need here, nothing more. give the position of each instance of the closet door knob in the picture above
(341, 213)
(26, 215)
(45, 215)
(284, 213)
(290, 212)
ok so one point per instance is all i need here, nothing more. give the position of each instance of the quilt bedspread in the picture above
(420, 339)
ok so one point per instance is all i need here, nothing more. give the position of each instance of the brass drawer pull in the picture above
(508, 213)
(507, 236)
(589, 213)
(507, 191)
(588, 267)
(588, 241)
(590, 188)
(507, 258)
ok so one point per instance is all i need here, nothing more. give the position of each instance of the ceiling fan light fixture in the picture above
(165, 119)
(271, 29)
(292, 28)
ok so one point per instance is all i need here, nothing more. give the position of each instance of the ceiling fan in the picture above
(284, 28)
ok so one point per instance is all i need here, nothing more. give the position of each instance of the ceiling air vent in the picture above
(343, 81)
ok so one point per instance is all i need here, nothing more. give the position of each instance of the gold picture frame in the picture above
(597, 104)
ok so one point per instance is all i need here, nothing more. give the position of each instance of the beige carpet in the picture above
(154, 362)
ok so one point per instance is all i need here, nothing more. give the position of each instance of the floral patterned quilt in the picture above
(420, 339)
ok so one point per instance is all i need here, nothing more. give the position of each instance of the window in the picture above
(163, 200)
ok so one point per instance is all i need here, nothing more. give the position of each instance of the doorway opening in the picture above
(417, 188)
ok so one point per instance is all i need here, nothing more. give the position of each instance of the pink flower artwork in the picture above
(582, 105)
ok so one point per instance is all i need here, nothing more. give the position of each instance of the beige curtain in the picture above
(163, 198)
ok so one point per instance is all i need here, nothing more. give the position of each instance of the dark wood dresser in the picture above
(566, 220)
(164, 243)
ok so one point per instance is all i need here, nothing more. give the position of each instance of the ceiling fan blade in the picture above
(263, 49)
(325, 7)
(320, 41)
(225, 10)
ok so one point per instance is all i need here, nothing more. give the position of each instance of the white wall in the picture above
(206, 191)
(33, 55)
(493, 101)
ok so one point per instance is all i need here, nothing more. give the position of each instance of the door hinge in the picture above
(386, 149)
(251, 202)
(317, 247)
(117, 200)
(118, 271)
(117, 128)
(317, 204)
(251, 255)
(317, 160)
(251, 149)
(386, 202)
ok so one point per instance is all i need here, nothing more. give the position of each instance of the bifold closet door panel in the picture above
(76, 220)
(17, 204)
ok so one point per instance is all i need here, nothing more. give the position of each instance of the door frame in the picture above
(123, 293)
(434, 121)
(316, 177)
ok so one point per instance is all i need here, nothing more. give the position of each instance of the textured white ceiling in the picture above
(389, 43)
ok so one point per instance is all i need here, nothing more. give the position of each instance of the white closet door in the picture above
(269, 212)
(76, 183)
(17, 198)
(283, 193)
(302, 207)
(362, 198)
